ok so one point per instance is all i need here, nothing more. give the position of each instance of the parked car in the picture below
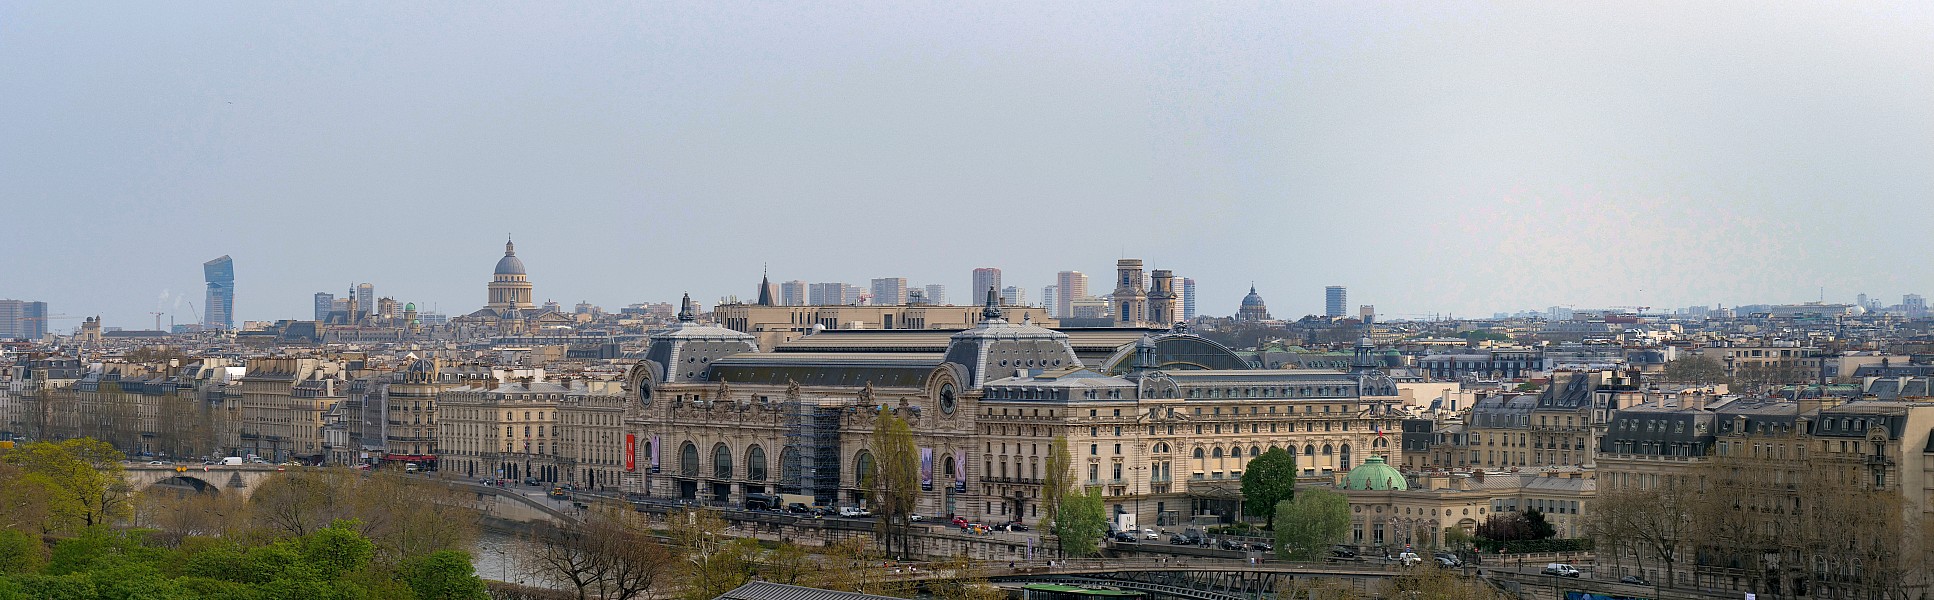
(158, 462)
(916, 517)
(1262, 547)
(1150, 534)
(1408, 559)
(798, 508)
(1634, 580)
(1014, 526)
(1343, 552)
(1179, 540)
(1125, 537)
(1450, 560)
(1228, 544)
(1562, 570)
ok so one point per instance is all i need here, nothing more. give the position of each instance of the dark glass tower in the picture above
(220, 312)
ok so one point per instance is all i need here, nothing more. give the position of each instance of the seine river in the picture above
(502, 557)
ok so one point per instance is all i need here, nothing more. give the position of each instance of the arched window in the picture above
(721, 462)
(1255, 451)
(755, 464)
(1218, 453)
(1198, 453)
(788, 467)
(688, 460)
(863, 467)
(1326, 450)
(1309, 450)
(1345, 460)
(947, 467)
(1235, 451)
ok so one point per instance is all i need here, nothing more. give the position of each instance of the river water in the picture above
(501, 556)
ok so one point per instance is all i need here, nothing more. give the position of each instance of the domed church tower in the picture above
(508, 287)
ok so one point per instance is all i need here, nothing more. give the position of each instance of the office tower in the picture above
(1188, 299)
(1047, 301)
(936, 294)
(1161, 299)
(792, 293)
(1013, 296)
(985, 278)
(325, 302)
(1916, 305)
(1335, 298)
(850, 295)
(1069, 286)
(24, 319)
(889, 291)
(1130, 298)
(824, 294)
(1367, 313)
(219, 308)
(366, 298)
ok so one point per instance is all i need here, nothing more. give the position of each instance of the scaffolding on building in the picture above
(812, 467)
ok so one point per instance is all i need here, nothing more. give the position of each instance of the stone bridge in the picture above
(1188, 578)
(232, 479)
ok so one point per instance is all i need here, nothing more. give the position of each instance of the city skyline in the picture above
(1482, 158)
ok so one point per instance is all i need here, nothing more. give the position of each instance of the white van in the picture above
(1561, 570)
(232, 460)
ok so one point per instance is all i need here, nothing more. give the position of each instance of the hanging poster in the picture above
(926, 469)
(654, 453)
(960, 474)
(631, 453)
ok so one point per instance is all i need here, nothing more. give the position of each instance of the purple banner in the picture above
(654, 453)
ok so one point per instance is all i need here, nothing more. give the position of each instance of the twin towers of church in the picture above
(1134, 306)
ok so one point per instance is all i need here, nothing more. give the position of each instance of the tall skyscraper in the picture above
(366, 298)
(832, 294)
(1915, 304)
(1188, 299)
(889, 291)
(986, 277)
(325, 302)
(1069, 286)
(1336, 301)
(1048, 302)
(1013, 296)
(936, 293)
(220, 304)
(24, 319)
(792, 293)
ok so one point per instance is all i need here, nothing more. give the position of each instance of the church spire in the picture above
(765, 288)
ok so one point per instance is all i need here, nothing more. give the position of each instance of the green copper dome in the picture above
(1373, 474)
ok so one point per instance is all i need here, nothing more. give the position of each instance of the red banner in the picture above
(631, 452)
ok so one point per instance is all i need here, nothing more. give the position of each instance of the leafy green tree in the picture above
(337, 550)
(1079, 523)
(86, 476)
(19, 552)
(443, 575)
(1310, 523)
(894, 481)
(1268, 480)
(1059, 480)
(1539, 528)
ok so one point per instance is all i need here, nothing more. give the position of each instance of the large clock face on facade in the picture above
(947, 399)
(644, 394)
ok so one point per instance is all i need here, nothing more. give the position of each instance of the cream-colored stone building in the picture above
(1162, 422)
(590, 422)
(503, 427)
(1389, 510)
(283, 401)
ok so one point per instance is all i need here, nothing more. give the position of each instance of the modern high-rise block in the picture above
(831, 294)
(889, 291)
(1188, 299)
(1336, 301)
(1047, 301)
(1013, 296)
(1069, 287)
(792, 293)
(220, 305)
(325, 302)
(366, 298)
(985, 278)
(936, 293)
(23, 319)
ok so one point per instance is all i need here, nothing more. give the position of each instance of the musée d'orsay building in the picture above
(1161, 421)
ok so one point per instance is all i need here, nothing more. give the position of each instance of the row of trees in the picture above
(70, 527)
(1753, 375)
(1785, 527)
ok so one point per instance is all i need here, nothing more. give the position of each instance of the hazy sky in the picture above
(1434, 157)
